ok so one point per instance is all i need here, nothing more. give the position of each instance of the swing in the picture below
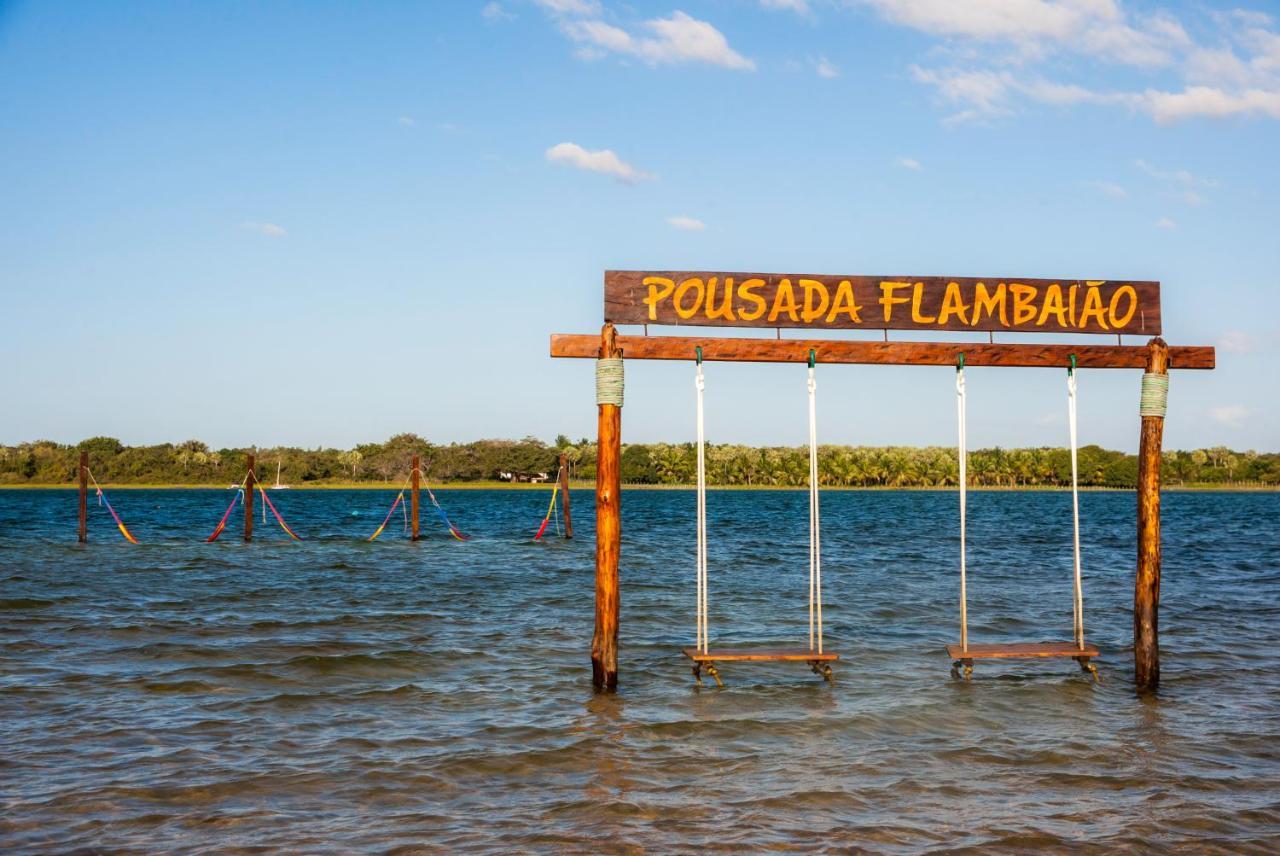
(964, 654)
(702, 654)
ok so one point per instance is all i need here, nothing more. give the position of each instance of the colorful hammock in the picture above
(222, 524)
(102, 500)
(453, 530)
(551, 508)
(387, 519)
(279, 519)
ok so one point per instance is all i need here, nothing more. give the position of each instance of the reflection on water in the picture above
(335, 695)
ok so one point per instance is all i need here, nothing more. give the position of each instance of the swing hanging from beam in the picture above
(964, 654)
(702, 655)
(871, 304)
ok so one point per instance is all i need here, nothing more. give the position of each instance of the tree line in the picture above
(195, 463)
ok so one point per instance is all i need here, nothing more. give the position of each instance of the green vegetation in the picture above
(194, 463)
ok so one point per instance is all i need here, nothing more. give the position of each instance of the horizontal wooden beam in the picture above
(587, 346)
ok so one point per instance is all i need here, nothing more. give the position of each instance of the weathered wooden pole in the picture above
(604, 644)
(564, 494)
(1146, 585)
(413, 497)
(84, 497)
(250, 480)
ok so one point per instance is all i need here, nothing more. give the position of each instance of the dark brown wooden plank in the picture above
(415, 493)
(82, 533)
(250, 483)
(564, 496)
(823, 301)
(879, 353)
(1020, 651)
(724, 655)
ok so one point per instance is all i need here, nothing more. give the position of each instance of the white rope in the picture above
(609, 381)
(963, 454)
(1077, 603)
(1154, 399)
(815, 524)
(701, 642)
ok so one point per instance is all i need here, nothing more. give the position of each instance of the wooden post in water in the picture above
(413, 497)
(1146, 585)
(564, 494)
(604, 643)
(250, 480)
(84, 497)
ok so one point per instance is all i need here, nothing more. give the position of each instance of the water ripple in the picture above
(336, 696)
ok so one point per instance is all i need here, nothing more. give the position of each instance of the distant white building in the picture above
(518, 477)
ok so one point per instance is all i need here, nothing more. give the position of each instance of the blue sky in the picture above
(320, 224)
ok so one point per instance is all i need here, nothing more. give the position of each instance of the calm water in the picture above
(335, 695)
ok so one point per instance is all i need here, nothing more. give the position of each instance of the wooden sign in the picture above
(816, 301)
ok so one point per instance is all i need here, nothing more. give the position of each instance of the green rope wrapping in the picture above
(609, 381)
(1154, 400)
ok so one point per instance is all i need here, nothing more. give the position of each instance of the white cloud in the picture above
(493, 13)
(1034, 28)
(1258, 19)
(986, 19)
(1189, 182)
(1218, 66)
(677, 39)
(825, 69)
(1181, 176)
(984, 93)
(800, 7)
(1235, 75)
(1208, 101)
(570, 7)
(1109, 188)
(908, 163)
(1231, 415)
(407, 121)
(1237, 342)
(688, 224)
(270, 230)
(604, 161)
(1121, 43)
(989, 94)
(1166, 223)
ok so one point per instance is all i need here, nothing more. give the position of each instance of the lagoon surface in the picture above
(337, 695)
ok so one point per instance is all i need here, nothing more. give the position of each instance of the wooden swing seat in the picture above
(726, 655)
(1020, 651)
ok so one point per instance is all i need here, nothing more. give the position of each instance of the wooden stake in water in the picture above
(250, 482)
(1146, 583)
(604, 643)
(564, 494)
(84, 497)
(415, 486)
